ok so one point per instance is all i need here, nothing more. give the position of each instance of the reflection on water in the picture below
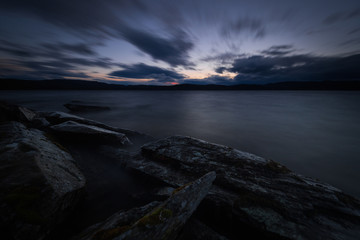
(314, 133)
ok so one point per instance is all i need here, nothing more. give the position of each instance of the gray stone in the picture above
(39, 182)
(252, 193)
(89, 131)
(60, 117)
(117, 223)
(163, 222)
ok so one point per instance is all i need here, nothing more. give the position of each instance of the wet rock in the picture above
(117, 223)
(60, 117)
(252, 194)
(39, 182)
(76, 107)
(163, 222)
(88, 132)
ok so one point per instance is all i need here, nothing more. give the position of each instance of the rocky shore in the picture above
(66, 177)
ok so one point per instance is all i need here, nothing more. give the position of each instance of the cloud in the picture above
(57, 55)
(109, 19)
(143, 71)
(295, 68)
(78, 48)
(213, 79)
(223, 58)
(38, 70)
(248, 25)
(173, 51)
(278, 50)
(341, 16)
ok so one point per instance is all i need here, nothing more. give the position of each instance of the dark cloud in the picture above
(248, 25)
(105, 19)
(78, 48)
(38, 70)
(80, 15)
(214, 79)
(143, 71)
(220, 69)
(223, 58)
(341, 16)
(172, 50)
(58, 56)
(278, 50)
(295, 68)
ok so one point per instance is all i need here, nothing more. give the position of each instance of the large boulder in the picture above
(60, 117)
(163, 221)
(89, 132)
(252, 194)
(39, 182)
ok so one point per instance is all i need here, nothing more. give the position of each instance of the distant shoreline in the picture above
(56, 84)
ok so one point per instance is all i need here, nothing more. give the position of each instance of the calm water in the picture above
(316, 134)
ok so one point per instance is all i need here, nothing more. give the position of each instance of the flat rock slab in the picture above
(163, 221)
(252, 193)
(61, 117)
(89, 131)
(39, 182)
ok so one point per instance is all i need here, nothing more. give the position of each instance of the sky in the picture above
(166, 42)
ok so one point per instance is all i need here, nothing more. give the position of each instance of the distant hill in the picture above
(15, 84)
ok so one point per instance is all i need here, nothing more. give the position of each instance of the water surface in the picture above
(315, 133)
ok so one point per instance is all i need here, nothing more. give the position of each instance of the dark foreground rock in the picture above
(10, 112)
(163, 222)
(87, 132)
(252, 194)
(39, 182)
(76, 107)
(55, 118)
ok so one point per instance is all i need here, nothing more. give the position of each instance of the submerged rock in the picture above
(75, 107)
(39, 182)
(80, 130)
(252, 194)
(162, 222)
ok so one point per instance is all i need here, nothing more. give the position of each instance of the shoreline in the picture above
(247, 192)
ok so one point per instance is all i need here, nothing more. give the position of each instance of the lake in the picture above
(315, 133)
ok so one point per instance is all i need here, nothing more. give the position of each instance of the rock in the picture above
(9, 112)
(165, 191)
(117, 223)
(163, 222)
(88, 132)
(252, 194)
(84, 107)
(60, 117)
(39, 182)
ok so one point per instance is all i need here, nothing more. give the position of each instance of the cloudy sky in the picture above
(171, 42)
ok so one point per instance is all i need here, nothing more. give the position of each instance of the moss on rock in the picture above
(157, 216)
